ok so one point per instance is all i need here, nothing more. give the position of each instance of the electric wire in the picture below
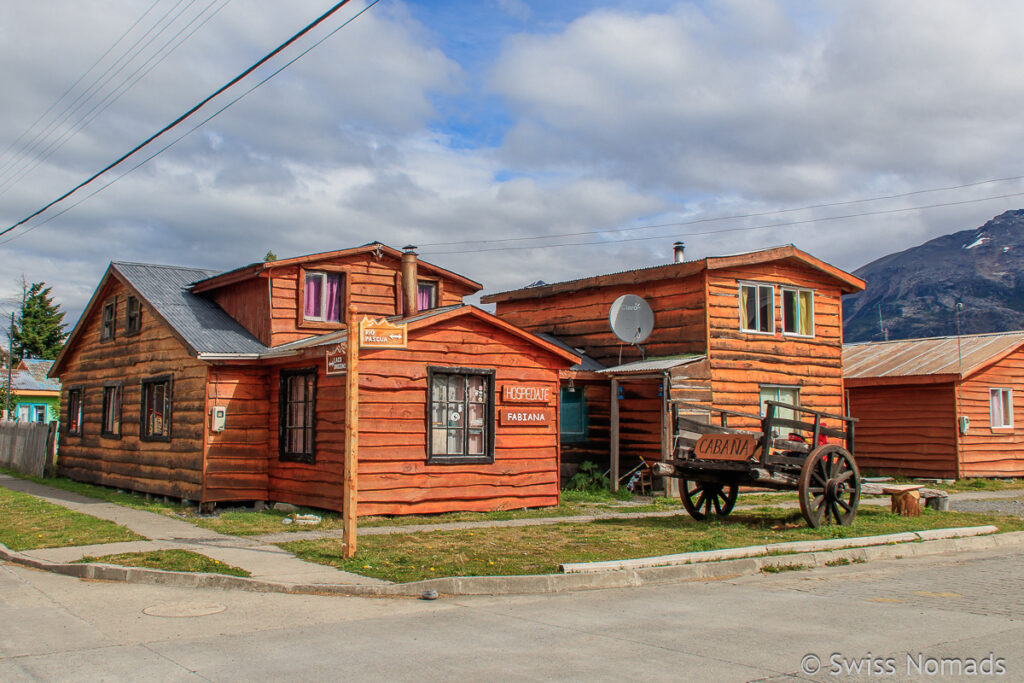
(115, 95)
(80, 79)
(191, 130)
(78, 102)
(273, 53)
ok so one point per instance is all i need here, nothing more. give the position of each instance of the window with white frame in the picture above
(782, 394)
(323, 296)
(757, 307)
(798, 311)
(1001, 408)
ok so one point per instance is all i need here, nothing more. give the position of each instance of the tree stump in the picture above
(907, 503)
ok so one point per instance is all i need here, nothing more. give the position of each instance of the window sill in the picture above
(759, 332)
(299, 458)
(460, 460)
(320, 325)
(106, 435)
(796, 335)
(165, 439)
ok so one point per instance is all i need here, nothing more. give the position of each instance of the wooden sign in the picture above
(336, 360)
(725, 446)
(381, 334)
(524, 417)
(525, 393)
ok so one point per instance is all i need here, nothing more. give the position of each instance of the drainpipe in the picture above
(410, 295)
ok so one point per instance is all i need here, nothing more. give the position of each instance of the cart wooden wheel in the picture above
(704, 498)
(829, 486)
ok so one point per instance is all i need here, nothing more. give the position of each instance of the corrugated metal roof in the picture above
(201, 323)
(652, 365)
(932, 356)
(28, 380)
(36, 367)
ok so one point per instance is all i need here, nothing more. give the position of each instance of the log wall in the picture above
(248, 302)
(742, 361)
(171, 468)
(988, 452)
(237, 460)
(580, 319)
(906, 429)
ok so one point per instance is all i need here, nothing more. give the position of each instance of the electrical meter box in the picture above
(965, 424)
(218, 415)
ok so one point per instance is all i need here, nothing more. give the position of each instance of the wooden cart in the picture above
(712, 461)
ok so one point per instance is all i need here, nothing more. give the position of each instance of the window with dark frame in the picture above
(297, 415)
(109, 323)
(757, 308)
(133, 316)
(74, 412)
(323, 296)
(461, 413)
(111, 426)
(155, 413)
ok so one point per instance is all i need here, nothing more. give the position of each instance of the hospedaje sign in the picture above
(525, 415)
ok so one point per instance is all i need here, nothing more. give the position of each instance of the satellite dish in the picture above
(631, 318)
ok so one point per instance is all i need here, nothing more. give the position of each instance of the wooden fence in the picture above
(28, 447)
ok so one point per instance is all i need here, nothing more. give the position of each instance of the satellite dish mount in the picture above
(632, 321)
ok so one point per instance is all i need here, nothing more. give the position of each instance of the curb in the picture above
(944, 541)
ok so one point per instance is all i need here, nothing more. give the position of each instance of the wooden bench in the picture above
(908, 496)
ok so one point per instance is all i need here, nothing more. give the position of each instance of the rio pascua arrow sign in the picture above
(381, 334)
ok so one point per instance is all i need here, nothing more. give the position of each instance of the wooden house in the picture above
(36, 396)
(227, 386)
(942, 407)
(730, 332)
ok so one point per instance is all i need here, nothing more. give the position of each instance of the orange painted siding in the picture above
(988, 452)
(741, 362)
(171, 468)
(236, 460)
(580, 319)
(248, 302)
(906, 429)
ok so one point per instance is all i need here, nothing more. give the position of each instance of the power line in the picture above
(725, 230)
(80, 79)
(760, 214)
(119, 91)
(190, 131)
(273, 53)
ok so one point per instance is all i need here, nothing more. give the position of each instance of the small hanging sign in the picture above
(525, 393)
(336, 360)
(525, 416)
(381, 334)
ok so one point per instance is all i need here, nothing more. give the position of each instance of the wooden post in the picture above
(348, 509)
(614, 456)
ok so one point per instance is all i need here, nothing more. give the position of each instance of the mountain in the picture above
(918, 289)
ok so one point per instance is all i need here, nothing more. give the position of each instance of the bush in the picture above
(589, 479)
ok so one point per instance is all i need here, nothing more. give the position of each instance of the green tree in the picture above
(40, 331)
(271, 256)
(4, 396)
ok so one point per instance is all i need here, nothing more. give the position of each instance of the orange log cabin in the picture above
(730, 332)
(220, 387)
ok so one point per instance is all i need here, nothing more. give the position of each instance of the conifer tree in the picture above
(40, 331)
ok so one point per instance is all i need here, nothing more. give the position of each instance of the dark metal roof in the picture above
(586, 362)
(960, 356)
(199, 321)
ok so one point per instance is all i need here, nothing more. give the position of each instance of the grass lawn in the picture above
(540, 549)
(169, 560)
(104, 493)
(27, 523)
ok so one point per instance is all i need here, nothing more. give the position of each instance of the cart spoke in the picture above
(841, 502)
(718, 503)
(700, 499)
(834, 510)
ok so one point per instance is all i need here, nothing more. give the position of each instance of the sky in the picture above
(510, 140)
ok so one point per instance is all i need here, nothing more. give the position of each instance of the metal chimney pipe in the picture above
(410, 276)
(678, 250)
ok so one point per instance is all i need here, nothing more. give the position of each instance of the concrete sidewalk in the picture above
(266, 562)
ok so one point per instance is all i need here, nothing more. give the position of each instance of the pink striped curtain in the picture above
(314, 284)
(425, 296)
(333, 312)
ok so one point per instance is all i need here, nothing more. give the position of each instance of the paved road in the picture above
(745, 629)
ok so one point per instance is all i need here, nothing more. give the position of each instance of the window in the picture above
(461, 415)
(111, 426)
(40, 415)
(322, 297)
(573, 415)
(798, 312)
(155, 413)
(133, 317)
(790, 395)
(757, 308)
(426, 296)
(1001, 408)
(109, 320)
(297, 415)
(74, 411)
